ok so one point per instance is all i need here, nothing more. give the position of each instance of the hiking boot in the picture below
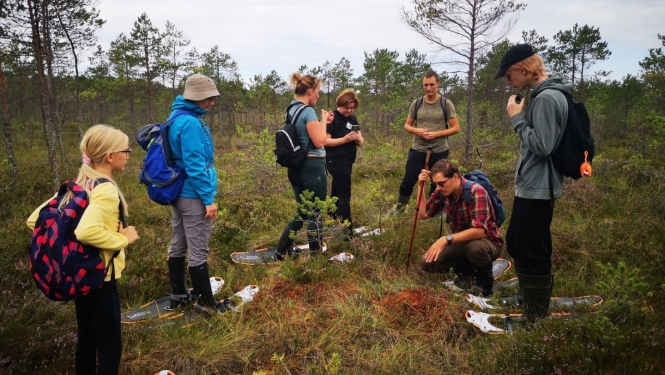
(463, 281)
(291, 252)
(484, 279)
(218, 308)
(179, 302)
(397, 209)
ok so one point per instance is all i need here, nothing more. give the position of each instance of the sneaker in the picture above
(220, 307)
(398, 208)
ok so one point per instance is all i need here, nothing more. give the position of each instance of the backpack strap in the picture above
(295, 117)
(177, 114)
(442, 99)
(286, 115)
(121, 211)
(466, 191)
(419, 102)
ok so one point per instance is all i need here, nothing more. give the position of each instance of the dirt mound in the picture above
(420, 306)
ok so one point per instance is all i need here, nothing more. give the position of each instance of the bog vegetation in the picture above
(370, 315)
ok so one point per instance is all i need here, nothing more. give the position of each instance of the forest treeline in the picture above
(133, 80)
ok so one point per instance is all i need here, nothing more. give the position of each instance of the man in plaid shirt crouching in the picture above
(474, 241)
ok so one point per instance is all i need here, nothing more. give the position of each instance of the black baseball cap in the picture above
(514, 55)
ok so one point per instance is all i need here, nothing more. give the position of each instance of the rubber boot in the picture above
(179, 293)
(315, 242)
(400, 206)
(536, 292)
(484, 279)
(201, 285)
(516, 264)
(286, 245)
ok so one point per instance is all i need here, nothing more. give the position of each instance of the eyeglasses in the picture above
(442, 183)
(127, 152)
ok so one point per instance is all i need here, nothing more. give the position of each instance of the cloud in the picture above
(265, 35)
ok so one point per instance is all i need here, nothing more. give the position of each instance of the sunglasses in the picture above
(442, 183)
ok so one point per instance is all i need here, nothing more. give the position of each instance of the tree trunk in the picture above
(7, 124)
(79, 122)
(376, 105)
(48, 54)
(468, 144)
(44, 96)
(580, 95)
(148, 79)
(131, 113)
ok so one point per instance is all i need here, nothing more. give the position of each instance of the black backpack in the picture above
(442, 101)
(568, 155)
(288, 149)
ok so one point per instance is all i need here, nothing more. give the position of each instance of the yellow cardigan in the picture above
(99, 226)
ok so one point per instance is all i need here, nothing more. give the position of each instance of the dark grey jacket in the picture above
(540, 130)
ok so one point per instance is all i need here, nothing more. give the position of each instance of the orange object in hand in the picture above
(585, 168)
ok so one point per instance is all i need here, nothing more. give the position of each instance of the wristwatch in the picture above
(449, 238)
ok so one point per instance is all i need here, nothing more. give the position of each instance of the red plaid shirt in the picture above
(462, 216)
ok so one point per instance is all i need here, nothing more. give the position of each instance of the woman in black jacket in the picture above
(341, 146)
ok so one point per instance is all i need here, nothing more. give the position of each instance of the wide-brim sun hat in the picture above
(199, 87)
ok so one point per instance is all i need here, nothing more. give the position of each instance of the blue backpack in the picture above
(481, 179)
(61, 266)
(159, 173)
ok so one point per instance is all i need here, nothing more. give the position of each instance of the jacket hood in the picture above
(555, 81)
(182, 103)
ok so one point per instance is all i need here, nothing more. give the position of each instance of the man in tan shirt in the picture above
(428, 121)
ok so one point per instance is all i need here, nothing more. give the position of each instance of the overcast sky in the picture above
(262, 35)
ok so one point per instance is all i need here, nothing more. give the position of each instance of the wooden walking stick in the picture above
(415, 218)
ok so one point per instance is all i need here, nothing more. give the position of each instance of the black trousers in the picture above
(414, 164)
(98, 318)
(529, 240)
(341, 188)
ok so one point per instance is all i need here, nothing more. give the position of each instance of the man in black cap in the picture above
(539, 126)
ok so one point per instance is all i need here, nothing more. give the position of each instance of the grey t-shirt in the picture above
(430, 117)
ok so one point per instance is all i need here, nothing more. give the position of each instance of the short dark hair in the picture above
(432, 73)
(448, 168)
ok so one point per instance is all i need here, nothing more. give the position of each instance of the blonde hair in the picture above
(97, 142)
(302, 83)
(533, 65)
(347, 97)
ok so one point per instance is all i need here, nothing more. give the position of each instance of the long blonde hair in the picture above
(97, 142)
